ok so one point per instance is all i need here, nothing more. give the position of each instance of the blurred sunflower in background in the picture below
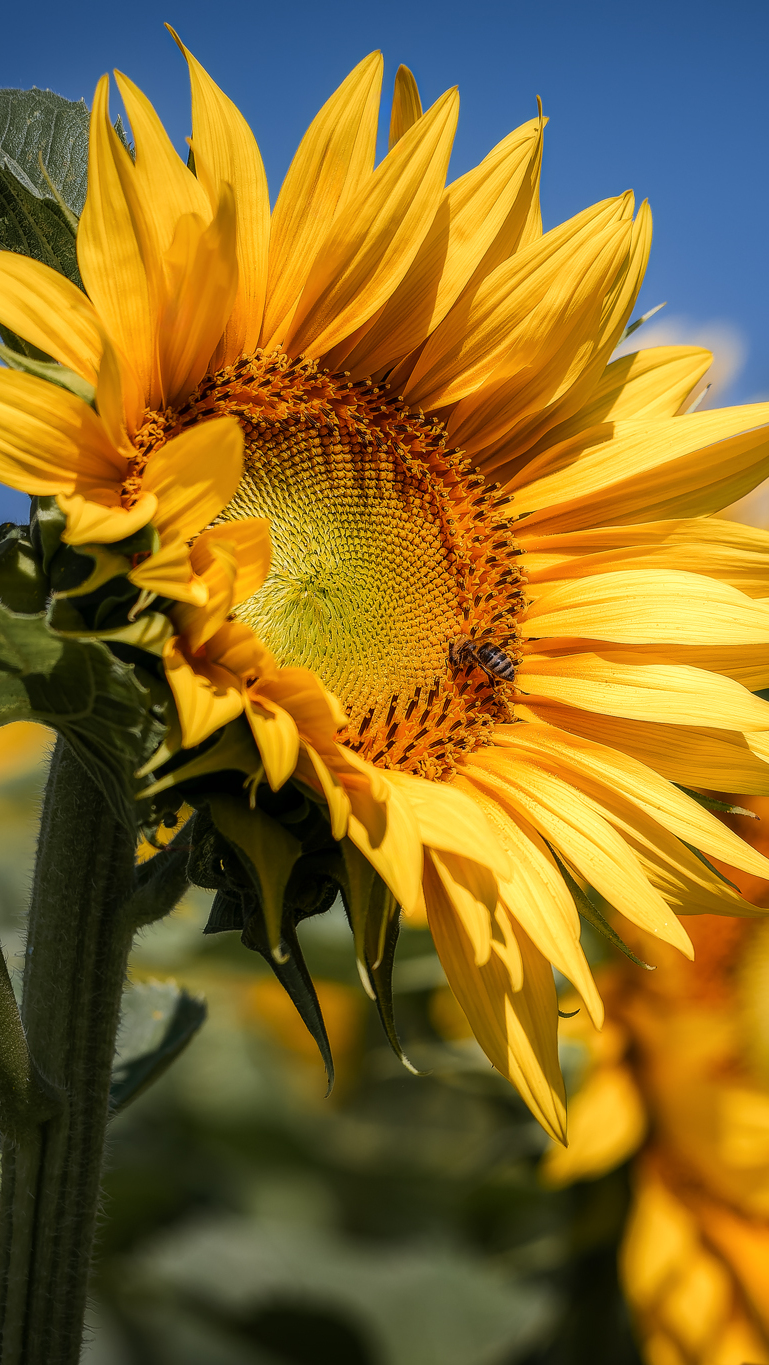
(455, 570)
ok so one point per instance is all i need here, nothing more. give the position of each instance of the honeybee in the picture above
(490, 658)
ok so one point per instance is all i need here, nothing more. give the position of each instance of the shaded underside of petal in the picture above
(206, 697)
(518, 1030)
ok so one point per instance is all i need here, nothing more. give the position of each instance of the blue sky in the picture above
(669, 98)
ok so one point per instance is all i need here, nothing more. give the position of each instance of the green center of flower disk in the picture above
(386, 547)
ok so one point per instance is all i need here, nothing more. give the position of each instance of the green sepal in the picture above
(51, 371)
(268, 853)
(382, 930)
(707, 863)
(711, 803)
(160, 882)
(159, 1020)
(47, 524)
(233, 750)
(106, 566)
(148, 632)
(80, 689)
(639, 322)
(592, 914)
(24, 587)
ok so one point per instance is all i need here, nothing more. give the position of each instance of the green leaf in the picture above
(593, 915)
(80, 689)
(23, 585)
(38, 228)
(51, 371)
(38, 125)
(158, 1020)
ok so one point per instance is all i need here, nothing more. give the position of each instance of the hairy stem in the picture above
(78, 943)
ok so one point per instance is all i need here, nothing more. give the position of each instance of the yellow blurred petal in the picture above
(451, 821)
(517, 1029)
(607, 1124)
(108, 251)
(201, 281)
(582, 835)
(645, 470)
(51, 441)
(276, 735)
(375, 238)
(24, 744)
(195, 475)
(334, 158)
(649, 605)
(93, 521)
(614, 683)
(469, 217)
(407, 106)
(228, 152)
(499, 322)
(46, 309)
(206, 697)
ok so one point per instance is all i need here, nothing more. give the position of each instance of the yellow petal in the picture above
(646, 470)
(472, 891)
(391, 843)
(649, 605)
(53, 442)
(201, 281)
(375, 238)
(570, 821)
(651, 383)
(451, 821)
(335, 157)
(469, 217)
(206, 697)
(228, 152)
(169, 574)
(721, 760)
(195, 475)
(517, 1029)
(539, 900)
(607, 776)
(407, 106)
(104, 524)
(736, 554)
(108, 251)
(624, 686)
(248, 542)
(276, 735)
(314, 772)
(498, 322)
(315, 710)
(46, 309)
(607, 1124)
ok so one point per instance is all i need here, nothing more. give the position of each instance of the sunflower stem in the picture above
(78, 942)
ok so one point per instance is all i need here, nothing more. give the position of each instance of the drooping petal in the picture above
(334, 159)
(517, 1029)
(276, 736)
(104, 522)
(169, 573)
(227, 151)
(49, 311)
(195, 475)
(472, 891)
(375, 238)
(53, 442)
(451, 822)
(206, 697)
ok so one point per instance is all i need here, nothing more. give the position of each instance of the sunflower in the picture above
(456, 567)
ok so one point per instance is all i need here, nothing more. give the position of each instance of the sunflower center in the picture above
(387, 549)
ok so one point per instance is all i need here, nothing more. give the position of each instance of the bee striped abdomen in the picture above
(496, 661)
